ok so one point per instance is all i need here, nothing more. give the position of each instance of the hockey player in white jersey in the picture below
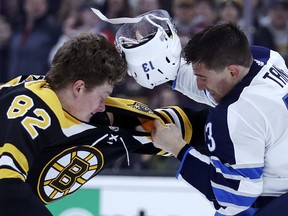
(246, 132)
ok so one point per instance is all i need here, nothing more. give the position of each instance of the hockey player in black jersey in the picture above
(59, 131)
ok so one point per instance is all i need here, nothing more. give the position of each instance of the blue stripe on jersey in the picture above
(248, 212)
(285, 99)
(227, 197)
(260, 53)
(182, 162)
(252, 173)
(174, 83)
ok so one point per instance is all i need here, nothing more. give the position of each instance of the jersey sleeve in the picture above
(141, 117)
(231, 180)
(190, 123)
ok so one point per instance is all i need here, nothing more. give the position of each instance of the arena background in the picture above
(133, 196)
(136, 190)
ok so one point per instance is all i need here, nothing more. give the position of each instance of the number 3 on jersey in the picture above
(20, 106)
(210, 140)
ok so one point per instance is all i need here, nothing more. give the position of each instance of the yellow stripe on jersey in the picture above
(187, 124)
(8, 173)
(168, 119)
(12, 82)
(19, 157)
(130, 105)
(51, 99)
(20, 79)
(181, 117)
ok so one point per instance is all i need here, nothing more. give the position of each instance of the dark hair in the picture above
(219, 46)
(87, 57)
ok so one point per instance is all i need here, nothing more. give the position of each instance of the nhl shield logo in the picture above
(68, 171)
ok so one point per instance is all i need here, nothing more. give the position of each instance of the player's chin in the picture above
(217, 98)
(86, 118)
(214, 95)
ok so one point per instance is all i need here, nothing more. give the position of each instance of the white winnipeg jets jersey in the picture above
(246, 135)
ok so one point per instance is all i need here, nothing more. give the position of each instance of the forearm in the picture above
(231, 190)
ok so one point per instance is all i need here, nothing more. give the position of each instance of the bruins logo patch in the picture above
(68, 171)
(141, 107)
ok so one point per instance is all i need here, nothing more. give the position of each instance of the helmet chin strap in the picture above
(122, 20)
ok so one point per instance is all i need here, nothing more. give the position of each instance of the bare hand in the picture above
(167, 137)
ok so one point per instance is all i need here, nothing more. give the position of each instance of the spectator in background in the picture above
(206, 13)
(91, 23)
(82, 21)
(69, 8)
(32, 40)
(230, 11)
(54, 7)
(258, 13)
(273, 33)
(115, 9)
(184, 19)
(144, 6)
(11, 10)
(5, 33)
(192, 16)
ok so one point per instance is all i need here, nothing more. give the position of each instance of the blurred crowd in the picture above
(32, 30)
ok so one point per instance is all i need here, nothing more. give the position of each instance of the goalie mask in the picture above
(150, 45)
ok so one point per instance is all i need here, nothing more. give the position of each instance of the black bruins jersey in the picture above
(56, 154)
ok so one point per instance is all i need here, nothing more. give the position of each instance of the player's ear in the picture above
(78, 86)
(234, 71)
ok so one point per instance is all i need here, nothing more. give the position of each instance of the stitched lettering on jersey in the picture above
(20, 107)
(277, 75)
(141, 107)
(209, 138)
(68, 171)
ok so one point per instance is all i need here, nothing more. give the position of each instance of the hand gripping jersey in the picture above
(247, 136)
(53, 152)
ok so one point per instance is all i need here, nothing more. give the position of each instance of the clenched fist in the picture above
(167, 137)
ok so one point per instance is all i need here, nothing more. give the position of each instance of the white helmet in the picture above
(151, 48)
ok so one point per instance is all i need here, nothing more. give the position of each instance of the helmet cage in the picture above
(151, 48)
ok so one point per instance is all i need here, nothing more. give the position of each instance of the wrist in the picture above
(182, 152)
(178, 148)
